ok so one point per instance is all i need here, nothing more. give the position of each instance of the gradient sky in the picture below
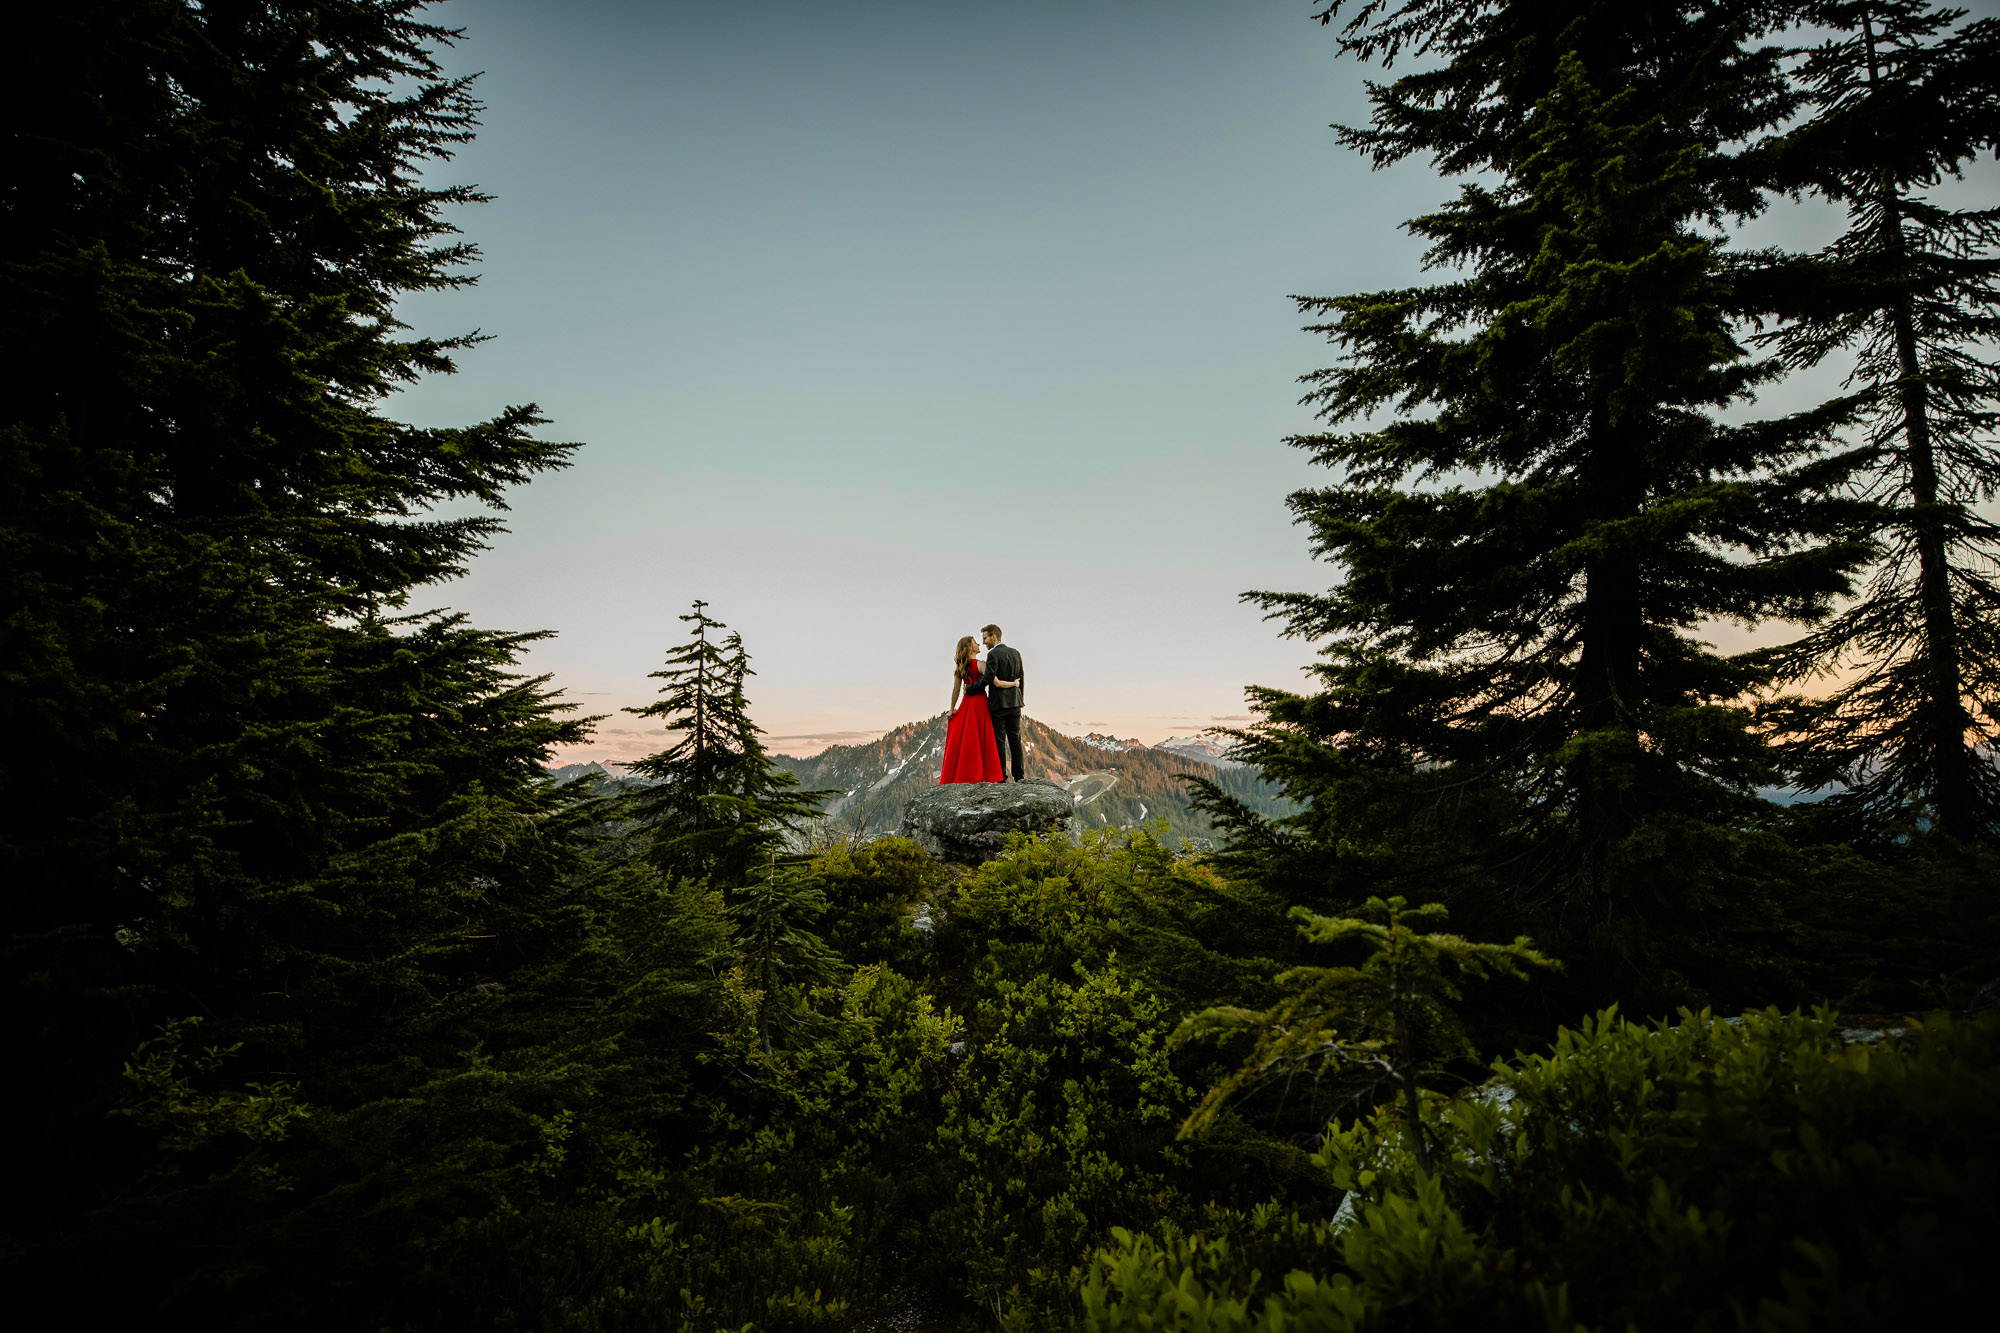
(884, 320)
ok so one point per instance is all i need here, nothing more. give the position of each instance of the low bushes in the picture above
(1699, 1174)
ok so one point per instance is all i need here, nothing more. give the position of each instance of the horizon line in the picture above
(622, 746)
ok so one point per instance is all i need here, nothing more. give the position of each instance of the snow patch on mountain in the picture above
(1205, 748)
(889, 777)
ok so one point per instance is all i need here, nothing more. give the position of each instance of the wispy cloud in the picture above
(803, 747)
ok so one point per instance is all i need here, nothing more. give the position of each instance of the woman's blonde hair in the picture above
(962, 656)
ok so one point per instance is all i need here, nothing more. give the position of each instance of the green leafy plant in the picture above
(1392, 1015)
(873, 893)
(1060, 1126)
(1767, 1172)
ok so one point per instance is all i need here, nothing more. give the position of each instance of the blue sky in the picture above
(881, 321)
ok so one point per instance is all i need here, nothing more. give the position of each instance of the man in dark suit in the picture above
(1006, 682)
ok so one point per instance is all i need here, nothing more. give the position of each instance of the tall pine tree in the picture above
(1539, 499)
(243, 795)
(1903, 95)
(717, 805)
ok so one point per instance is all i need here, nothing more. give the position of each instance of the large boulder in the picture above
(971, 821)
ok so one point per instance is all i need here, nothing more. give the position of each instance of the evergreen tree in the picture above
(782, 954)
(1540, 499)
(1902, 96)
(240, 785)
(717, 805)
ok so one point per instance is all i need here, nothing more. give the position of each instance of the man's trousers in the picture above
(1006, 738)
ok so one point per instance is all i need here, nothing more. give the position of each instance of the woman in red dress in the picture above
(969, 752)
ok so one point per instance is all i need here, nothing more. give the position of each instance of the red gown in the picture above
(969, 752)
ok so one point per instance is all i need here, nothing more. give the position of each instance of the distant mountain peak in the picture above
(1203, 747)
(617, 777)
(1111, 743)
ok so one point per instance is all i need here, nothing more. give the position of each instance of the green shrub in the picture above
(1072, 964)
(1694, 1175)
(1061, 1124)
(870, 892)
(1049, 904)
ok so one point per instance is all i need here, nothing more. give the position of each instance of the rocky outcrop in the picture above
(971, 821)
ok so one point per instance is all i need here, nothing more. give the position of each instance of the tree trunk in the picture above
(764, 1000)
(1613, 616)
(700, 755)
(1607, 679)
(1942, 720)
(1406, 1078)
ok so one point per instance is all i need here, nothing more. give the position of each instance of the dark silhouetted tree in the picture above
(717, 805)
(1540, 498)
(240, 785)
(1902, 96)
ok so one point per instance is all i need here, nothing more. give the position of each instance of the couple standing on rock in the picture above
(976, 735)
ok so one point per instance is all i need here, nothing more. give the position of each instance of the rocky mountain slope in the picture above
(1112, 788)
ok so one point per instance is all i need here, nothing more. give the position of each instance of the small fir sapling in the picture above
(718, 805)
(781, 952)
(1392, 1015)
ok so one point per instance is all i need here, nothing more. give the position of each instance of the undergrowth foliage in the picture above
(1693, 1173)
(1392, 1018)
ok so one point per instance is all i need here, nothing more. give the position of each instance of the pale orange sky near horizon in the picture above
(623, 738)
(618, 744)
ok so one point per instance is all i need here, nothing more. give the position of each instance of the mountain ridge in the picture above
(1118, 787)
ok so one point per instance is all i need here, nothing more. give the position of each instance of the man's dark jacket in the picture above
(1003, 663)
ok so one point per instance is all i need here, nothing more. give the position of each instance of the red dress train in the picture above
(969, 752)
